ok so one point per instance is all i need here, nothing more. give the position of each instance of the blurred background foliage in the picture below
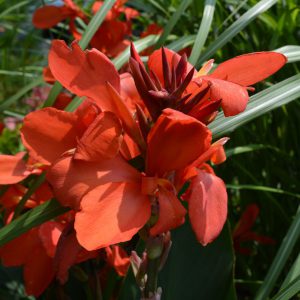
(263, 153)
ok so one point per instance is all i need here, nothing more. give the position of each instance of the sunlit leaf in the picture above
(277, 95)
(208, 14)
(281, 258)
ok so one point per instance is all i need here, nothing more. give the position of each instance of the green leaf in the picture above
(54, 92)
(74, 104)
(33, 187)
(139, 45)
(12, 8)
(281, 258)
(172, 22)
(30, 219)
(181, 43)
(289, 291)
(89, 32)
(291, 52)
(249, 148)
(21, 93)
(261, 188)
(195, 272)
(203, 31)
(235, 28)
(192, 271)
(95, 23)
(261, 103)
(17, 73)
(293, 273)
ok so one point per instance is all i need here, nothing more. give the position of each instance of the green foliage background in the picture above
(263, 153)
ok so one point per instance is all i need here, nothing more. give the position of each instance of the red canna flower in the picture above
(173, 82)
(34, 250)
(49, 15)
(12, 196)
(117, 205)
(118, 259)
(65, 171)
(14, 169)
(243, 233)
(112, 36)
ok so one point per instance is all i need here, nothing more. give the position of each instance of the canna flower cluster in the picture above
(112, 36)
(123, 158)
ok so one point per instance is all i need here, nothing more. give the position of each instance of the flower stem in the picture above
(152, 277)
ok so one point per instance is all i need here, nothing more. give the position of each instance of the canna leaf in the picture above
(281, 258)
(30, 219)
(235, 28)
(208, 14)
(277, 95)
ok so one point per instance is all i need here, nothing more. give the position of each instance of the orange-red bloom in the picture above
(14, 169)
(114, 200)
(48, 16)
(112, 36)
(34, 250)
(243, 233)
(174, 83)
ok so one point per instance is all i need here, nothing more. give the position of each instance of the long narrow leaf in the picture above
(33, 187)
(289, 291)
(204, 28)
(291, 52)
(95, 23)
(293, 273)
(181, 42)
(89, 32)
(74, 104)
(32, 218)
(20, 93)
(12, 8)
(261, 103)
(235, 28)
(140, 45)
(261, 188)
(281, 258)
(172, 22)
(249, 148)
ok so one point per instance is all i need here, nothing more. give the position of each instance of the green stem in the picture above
(152, 277)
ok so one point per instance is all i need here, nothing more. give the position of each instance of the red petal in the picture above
(247, 220)
(215, 153)
(101, 140)
(110, 214)
(38, 272)
(234, 97)
(175, 141)
(12, 196)
(48, 133)
(250, 68)
(49, 234)
(62, 101)
(17, 251)
(155, 62)
(171, 212)
(118, 258)
(129, 92)
(67, 253)
(207, 206)
(47, 75)
(71, 179)
(13, 168)
(122, 111)
(84, 73)
(110, 38)
(50, 15)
